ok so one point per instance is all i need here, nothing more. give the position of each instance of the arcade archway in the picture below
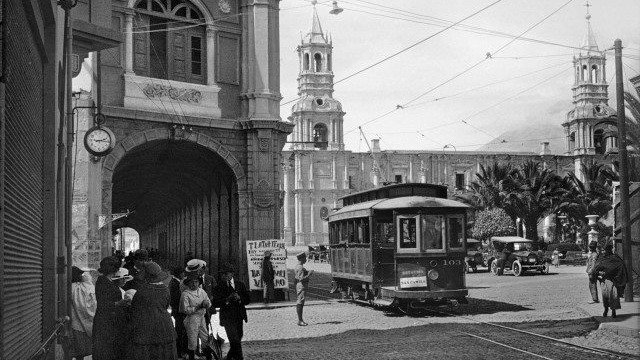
(181, 197)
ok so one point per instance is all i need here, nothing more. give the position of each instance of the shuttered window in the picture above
(165, 47)
(22, 172)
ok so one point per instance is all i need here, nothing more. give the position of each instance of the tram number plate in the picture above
(411, 282)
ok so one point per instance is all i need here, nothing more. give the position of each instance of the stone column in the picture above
(211, 54)
(334, 175)
(128, 43)
(423, 172)
(311, 180)
(286, 206)
(346, 174)
(312, 217)
(410, 177)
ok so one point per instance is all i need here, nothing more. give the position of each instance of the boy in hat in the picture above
(194, 303)
(267, 274)
(302, 280)
(231, 296)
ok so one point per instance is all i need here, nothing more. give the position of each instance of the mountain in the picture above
(528, 139)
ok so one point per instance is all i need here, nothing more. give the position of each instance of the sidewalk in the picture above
(283, 304)
(627, 323)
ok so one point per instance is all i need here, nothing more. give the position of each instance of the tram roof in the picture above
(407, 202)
(396, 191)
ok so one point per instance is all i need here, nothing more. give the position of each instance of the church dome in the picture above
(591, 111)
(317, 104)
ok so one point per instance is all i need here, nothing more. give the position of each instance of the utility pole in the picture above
(625, 225)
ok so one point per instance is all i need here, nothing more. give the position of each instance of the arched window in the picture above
(598, 141)
(594, 74)
(320, 136)
(317, 60)
(306, 61)
(585, 73)
(572, 142)
(165, 44)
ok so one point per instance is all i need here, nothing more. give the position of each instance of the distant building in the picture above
(317, 170)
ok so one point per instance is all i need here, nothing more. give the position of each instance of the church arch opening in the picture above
(320, 136)
(306, 61)
(317, 60)
(585, 73)
(598, 141)
(182, 198)
(594, 74)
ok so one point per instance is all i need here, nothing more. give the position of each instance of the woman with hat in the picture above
(302, 280)
(83, 304)
(612, 273)
(194, 303)
(153, 335)
(106, 328)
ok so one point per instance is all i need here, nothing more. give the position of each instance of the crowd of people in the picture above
(138, 310)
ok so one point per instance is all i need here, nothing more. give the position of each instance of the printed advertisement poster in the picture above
(412, 276)
(255, 254)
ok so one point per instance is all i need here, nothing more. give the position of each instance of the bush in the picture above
(492, 222)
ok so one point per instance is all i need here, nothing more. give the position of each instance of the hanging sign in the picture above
(255, 255)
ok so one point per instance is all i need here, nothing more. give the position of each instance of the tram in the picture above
(401, 245)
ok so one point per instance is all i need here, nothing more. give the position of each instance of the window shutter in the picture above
(141, 46)
(178, 55)
(197, 56)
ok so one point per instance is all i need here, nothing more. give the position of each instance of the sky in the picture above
(534, 88)
(365, 33)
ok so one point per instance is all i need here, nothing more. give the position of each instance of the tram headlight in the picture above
(433, 274)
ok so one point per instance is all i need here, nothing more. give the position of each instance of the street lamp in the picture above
(563, 219)
(336, 9)
(449, 146)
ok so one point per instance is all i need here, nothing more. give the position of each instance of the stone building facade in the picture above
(317, 171)
(192, 97)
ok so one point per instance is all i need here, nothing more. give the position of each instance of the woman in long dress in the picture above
(611, 272)
(154, 337)
(83, 304)
(107, 330)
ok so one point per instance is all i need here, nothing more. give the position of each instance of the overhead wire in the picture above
(489, 55)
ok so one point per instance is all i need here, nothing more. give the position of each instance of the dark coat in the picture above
(107, 330)
(231, 312)
(268, 273)
(151, 323)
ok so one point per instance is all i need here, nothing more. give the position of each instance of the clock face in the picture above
(98, 141)
(324, 213)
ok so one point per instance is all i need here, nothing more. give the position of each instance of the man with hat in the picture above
(267, 275)
(231, 296)
(302, 280)
(591, 263)
(140, 257)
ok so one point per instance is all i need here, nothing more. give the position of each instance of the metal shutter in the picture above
(22, 200)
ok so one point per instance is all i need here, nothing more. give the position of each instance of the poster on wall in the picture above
(255, 254)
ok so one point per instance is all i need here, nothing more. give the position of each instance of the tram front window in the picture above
(456, 233)
(433, 232)
(407, 235)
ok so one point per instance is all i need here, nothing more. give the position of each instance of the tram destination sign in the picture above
(412, 276)
(255, 255)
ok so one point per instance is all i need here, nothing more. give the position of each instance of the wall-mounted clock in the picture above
(99, 141)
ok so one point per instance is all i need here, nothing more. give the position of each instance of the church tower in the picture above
(317, 116)
(589, 127)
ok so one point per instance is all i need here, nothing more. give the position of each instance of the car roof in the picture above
(510, 239)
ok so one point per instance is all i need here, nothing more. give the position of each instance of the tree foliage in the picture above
(492, 222)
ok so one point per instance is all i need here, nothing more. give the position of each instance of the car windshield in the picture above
(523, 246)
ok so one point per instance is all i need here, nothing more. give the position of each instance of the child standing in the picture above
(194, 303)
(555, 258)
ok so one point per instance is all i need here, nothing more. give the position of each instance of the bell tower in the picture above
(317, 116)
(589, 128)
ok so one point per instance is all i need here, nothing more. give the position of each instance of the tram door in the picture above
(384, 243)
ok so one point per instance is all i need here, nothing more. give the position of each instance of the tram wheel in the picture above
(517, 268)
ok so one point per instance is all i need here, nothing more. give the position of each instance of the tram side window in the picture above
(385, 233)
(433, 232)
(351, 233)
(363, 231)
(456, 233)
(407, 236)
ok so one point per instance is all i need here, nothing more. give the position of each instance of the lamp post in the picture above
(563, 220)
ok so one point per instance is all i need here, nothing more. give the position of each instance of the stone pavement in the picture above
(627, 323)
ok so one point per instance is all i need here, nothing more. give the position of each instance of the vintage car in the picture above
(474, 256)
(522, 257)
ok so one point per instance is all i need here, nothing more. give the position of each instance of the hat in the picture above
(76, 274)
(109, 265)
(226, 268)
(153, 273)
(267, 253)
(195, 265)
(141, 255)
(302, 255)
(122, 273)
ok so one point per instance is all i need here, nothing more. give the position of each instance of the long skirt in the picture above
(610, 295)
(80, 344)
(196, 328)
(166, 351)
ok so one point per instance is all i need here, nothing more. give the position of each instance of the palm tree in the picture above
(532, 195)
(633, 122)
(589, 197)
(487, 191)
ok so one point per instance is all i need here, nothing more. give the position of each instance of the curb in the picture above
(619, 330)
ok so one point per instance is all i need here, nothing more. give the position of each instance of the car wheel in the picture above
(517, 268)
(495, 270)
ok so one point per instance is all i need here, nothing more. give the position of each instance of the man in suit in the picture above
(231, 296)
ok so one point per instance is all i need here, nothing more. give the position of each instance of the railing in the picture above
(45, 348)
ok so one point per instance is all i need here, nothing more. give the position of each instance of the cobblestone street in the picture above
(554, 305)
